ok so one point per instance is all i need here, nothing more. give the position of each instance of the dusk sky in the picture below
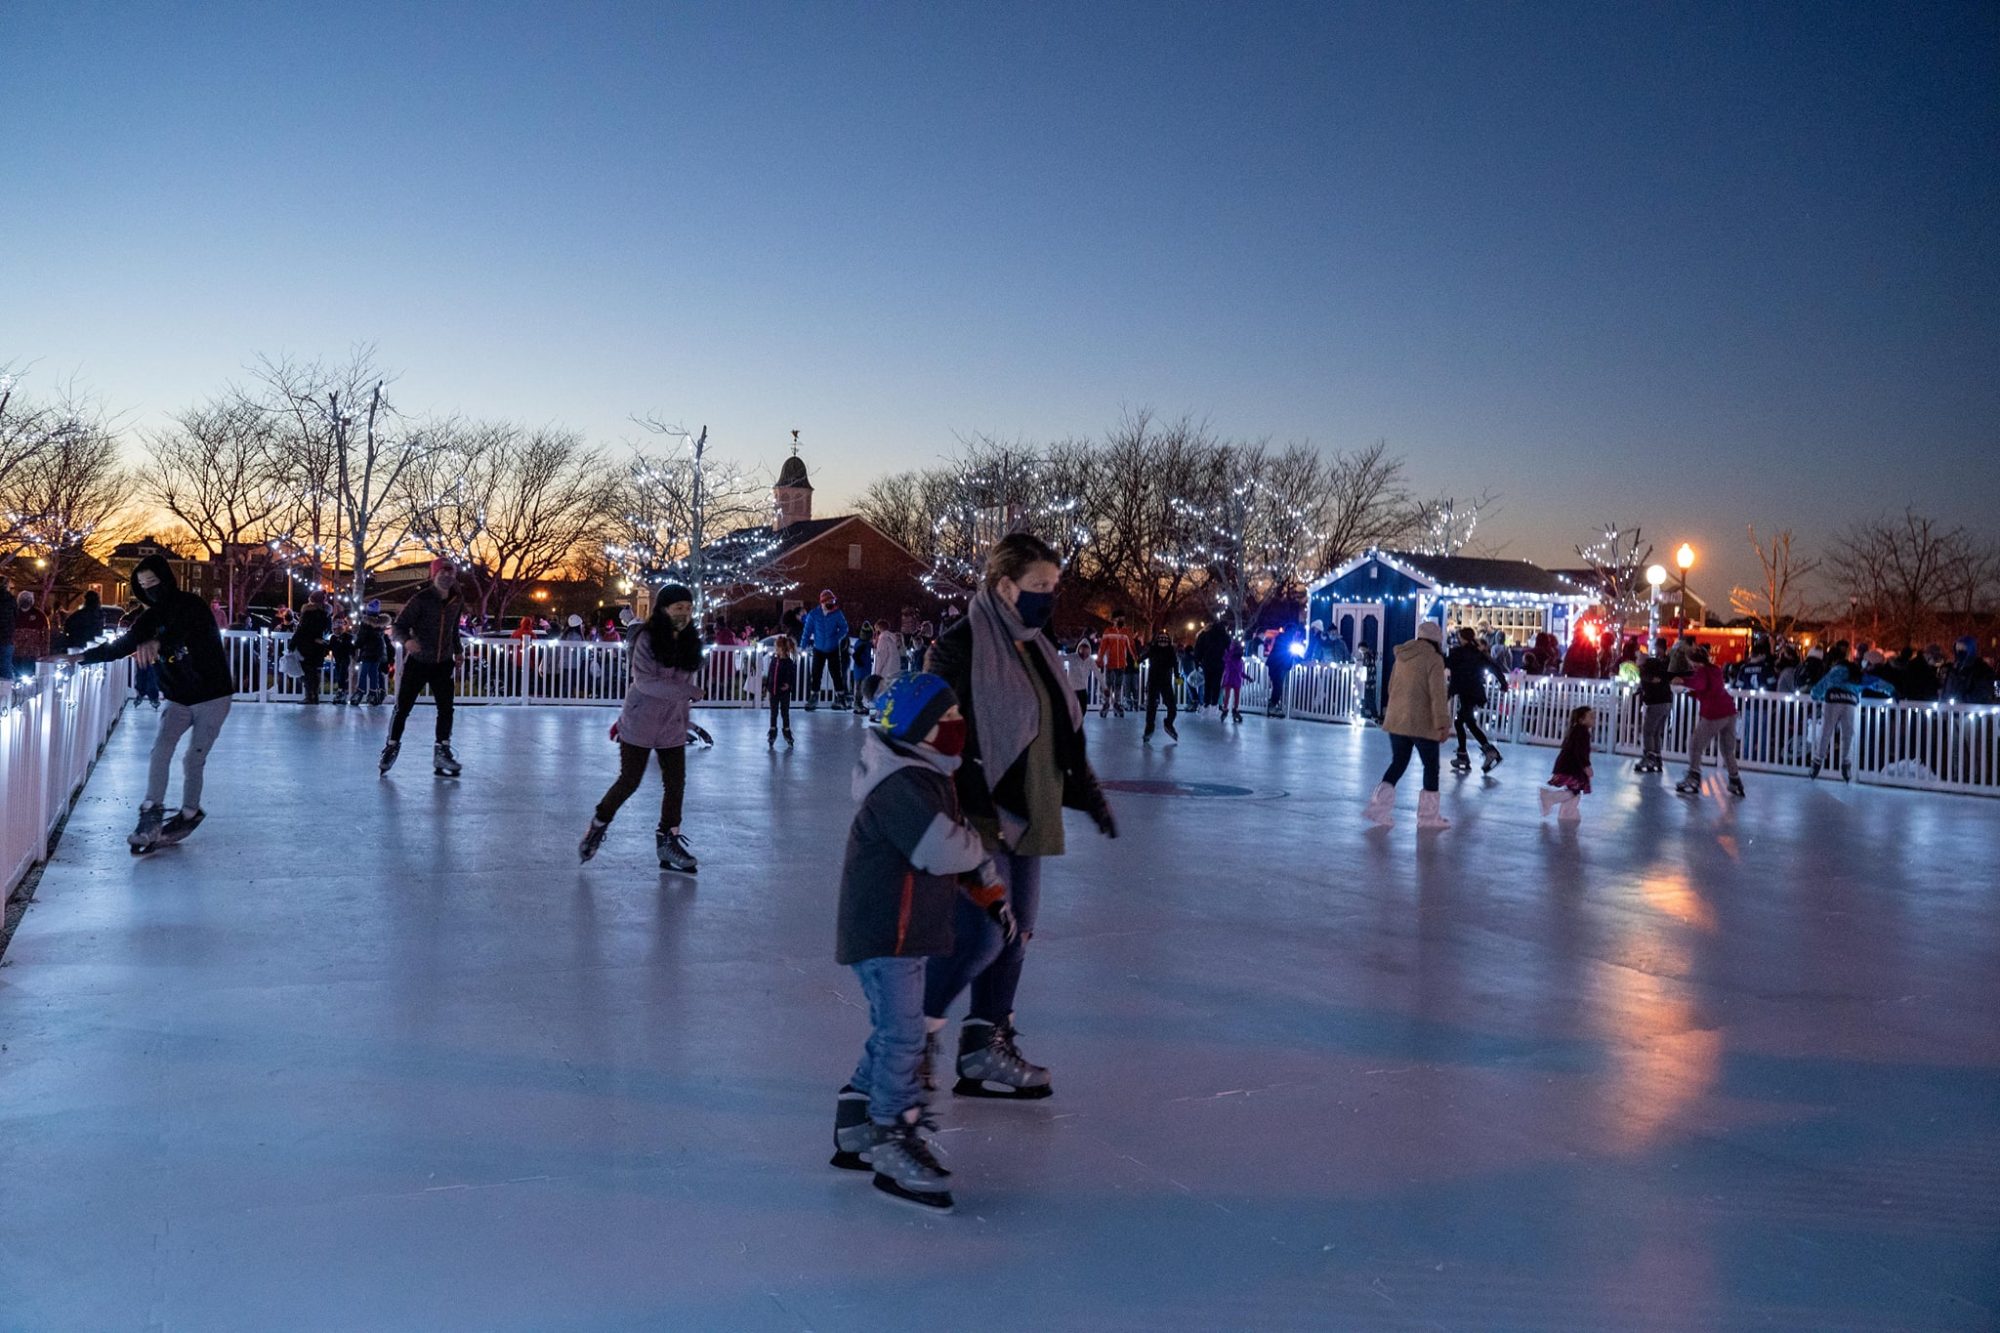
(1689, 266)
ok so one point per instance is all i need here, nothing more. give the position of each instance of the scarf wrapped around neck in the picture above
(1004, 690)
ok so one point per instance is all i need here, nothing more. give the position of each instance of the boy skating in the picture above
(428, 627)
(909, 854)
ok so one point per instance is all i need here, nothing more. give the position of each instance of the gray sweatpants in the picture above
(1706, 730)
(1836, 727)
(175, 719)
(1653, 728)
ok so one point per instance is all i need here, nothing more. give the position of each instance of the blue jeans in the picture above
(370, 679)
(895, 1049)
(6, 657)
(983, 959)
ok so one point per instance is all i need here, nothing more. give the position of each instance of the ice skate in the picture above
(674, 853)
(989, 1065)
(1493, 759)
(788, 738)
(1552, 798)
(695, 733)
(1171, 733)
(374, 698)
(1381, 807)
(1736, 788)
(1428, 815)
(1236, 717)
(905, 1167)
(593, 838)
(339, 697)
(1847, 772)
(854, 1134)
(771, 739)
(1461, 762)
(927, 1066)
(147, 835)
(1146, 737)
(1812, 770)
(389, 753)
(179, 825)
(1689, 786)
(443, 762)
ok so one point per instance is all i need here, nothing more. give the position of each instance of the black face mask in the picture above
(149, 595)
(1034, 607)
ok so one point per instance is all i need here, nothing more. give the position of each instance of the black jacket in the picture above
(1162, 661)
(1656, 683)
(1210, 646)
(310, 637)
(370, 644)
(1468, 666)
(979, 791)
(83, 625)
(430, 624)
(8, 611)
(194, 668)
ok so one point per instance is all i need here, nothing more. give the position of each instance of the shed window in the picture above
(854, 555)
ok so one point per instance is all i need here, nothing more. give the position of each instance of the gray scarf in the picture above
(1003, 687)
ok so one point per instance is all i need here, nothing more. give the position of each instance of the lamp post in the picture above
(700, 446)
(1656, 575)
(1684, 559)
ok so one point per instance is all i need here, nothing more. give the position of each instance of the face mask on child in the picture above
(950, 738)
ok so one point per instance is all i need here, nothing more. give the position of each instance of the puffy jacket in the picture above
(430, 624)
(655, 714)
(1115, 651)
(194, 667)
(1708, 688)
(1468, 667)
(825, 630)
(906, 849)
(1419, 705)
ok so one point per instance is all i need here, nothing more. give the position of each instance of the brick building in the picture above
(873, 575)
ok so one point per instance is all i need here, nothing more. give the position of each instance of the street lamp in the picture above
(1684, 558)
(1655, 576)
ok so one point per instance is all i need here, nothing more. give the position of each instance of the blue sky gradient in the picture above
(1692, 266)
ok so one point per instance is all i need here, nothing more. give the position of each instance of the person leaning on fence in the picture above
(428, 627)
(1841, 691)
(176, 634)
(1418, 718)
(371, 649)
(1717, 722)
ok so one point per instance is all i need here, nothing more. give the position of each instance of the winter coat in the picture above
(1656, 685)
(1162, 662)
(1708, 688)
(194, 668)
(979, 791)
(83, 626)
(1468, 668)
(1970, 682)
(781, 677)
(655, 715)
(1572, 769)
(908, 845)
(370, 644)
(1232, 666)
(1418, 703)
(1845, 683)
(1210, 647)
(31, 634)
(824, 630)
(9, 608)
(310, 637)
(1115, 651)
(429, 622)
(341, 646)
(889, 648)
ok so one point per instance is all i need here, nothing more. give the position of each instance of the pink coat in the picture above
(1711, 691)
(655, 715)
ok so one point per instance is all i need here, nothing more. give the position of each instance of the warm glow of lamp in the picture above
(541, 594)
(1656, 574)
(1685, 556)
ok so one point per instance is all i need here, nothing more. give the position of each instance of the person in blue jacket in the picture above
(825, 632)
(1842, 689)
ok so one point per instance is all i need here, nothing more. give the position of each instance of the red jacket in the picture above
(1709, 689)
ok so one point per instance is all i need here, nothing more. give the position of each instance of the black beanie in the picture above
(674, 592)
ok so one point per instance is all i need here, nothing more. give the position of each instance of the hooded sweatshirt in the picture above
(194, 668)
(905, 851)
(1418, 702)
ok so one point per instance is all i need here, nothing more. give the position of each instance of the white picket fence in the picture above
(52, 726)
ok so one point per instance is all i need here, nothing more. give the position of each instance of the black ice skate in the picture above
(771, 739)
(1461, 762)
(989, 1065)
(854, 1134)
(1736, 788)
(1171, 733)
(593, 838)
(443, 762)
(389, 753)
(1689, 786)
(147, 835)
(674, 852)
(1493, 759)
(905, 1167)
(788, 739)
(1812, 770)
(179, 825)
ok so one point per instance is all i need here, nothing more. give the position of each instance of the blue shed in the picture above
(1375, 600)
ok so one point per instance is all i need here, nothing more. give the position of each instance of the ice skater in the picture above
(1418, 718)
(428, 627)
(177, 635)
(910, 859)
(1656, 707)
(781, 678)
(1162, 667)
(1468, 666)
(666, 680)
(1841, 690)
(1230, 701)
(1705, 684)
(1570, 782)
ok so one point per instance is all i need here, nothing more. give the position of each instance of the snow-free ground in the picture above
(379, 1055)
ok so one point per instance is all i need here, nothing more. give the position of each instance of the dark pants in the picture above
(1158, 687)
(632, 771)
(342, 666)
(1468, 720)
(833, 661)
(1399, 759)
(411, 681)
(982, 958)
(1211, 683)
(313, 663)
(781, 712)
(1277, 700)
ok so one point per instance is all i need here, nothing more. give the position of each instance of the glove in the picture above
(1002, 915)
(614, 731)
(1100, 813)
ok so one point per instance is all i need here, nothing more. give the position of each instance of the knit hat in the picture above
(576, 621)
(826, 595)
(1968, 645)
(1428, 629)
(911, 704)
(673, 592)
(1874, 658)
(439, 565)
(374, 606)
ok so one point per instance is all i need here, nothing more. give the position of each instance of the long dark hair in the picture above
(679, 648)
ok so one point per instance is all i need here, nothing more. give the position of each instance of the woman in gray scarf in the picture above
(1024, 763)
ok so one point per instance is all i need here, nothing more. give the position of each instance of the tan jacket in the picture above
(1417, 703)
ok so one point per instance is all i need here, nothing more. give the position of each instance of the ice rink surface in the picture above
(378, 1054)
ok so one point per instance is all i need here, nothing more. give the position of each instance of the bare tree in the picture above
(1368, 503)
(218, 470)
(895, 504)
(1778, 603)
(1906, 572)
(65, 491)
(1445, 525)
(510, 505)
(1262, 529)
(1154, 483)
(1616, 560)
(668, 503)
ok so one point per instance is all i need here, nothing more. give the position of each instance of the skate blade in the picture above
(1005, 1092)
(931, 1201)
(141, 848)
(850, 1161)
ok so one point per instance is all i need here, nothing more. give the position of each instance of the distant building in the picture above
(195, 574)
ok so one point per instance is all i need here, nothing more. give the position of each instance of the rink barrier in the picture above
(53, 726)
(1922, 746)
